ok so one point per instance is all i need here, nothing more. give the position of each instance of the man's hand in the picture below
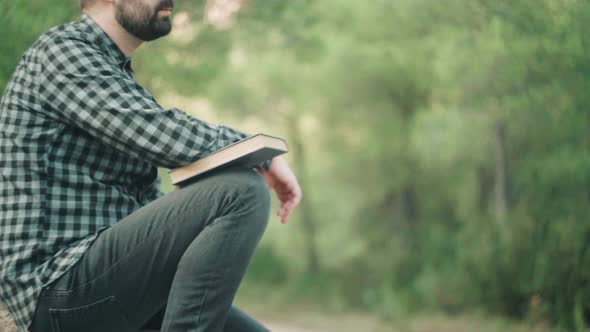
(281, 178)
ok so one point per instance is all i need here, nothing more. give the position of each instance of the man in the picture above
(87, 241)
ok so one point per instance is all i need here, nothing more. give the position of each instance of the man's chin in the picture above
(154, 36)
(164, 23)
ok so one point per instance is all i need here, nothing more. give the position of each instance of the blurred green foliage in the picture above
(443, 146)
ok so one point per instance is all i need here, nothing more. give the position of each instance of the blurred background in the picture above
(442, 148)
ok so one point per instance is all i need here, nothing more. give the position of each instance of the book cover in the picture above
(249, 152)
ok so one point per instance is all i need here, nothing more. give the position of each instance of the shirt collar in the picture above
(104, 42)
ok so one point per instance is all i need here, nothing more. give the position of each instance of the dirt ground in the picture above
(297, 320)
(6, 324)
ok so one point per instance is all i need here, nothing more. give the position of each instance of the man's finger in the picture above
(287, 215)
(286, 210)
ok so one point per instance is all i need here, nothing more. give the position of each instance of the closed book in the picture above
(249, 152)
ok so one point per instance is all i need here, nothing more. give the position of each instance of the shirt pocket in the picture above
(104, 315)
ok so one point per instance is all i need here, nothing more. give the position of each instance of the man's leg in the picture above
(236, 321)
(187, 250)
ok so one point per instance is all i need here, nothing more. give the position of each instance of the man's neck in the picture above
(126, 42)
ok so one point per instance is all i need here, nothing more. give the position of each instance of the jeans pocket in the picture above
(104, 315)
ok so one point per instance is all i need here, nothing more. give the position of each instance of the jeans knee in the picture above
(234, 190)
(252, 189)
(255, 191)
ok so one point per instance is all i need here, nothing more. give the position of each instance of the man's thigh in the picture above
(128, 271)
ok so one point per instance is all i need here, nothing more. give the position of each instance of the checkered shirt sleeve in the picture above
(108, 103)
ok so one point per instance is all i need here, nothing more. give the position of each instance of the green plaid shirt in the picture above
(80, 143)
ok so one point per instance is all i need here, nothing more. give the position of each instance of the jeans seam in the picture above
(201, 308)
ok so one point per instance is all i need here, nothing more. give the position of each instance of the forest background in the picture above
(442, 146)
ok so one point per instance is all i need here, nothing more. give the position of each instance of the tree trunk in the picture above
(485, 181)
(305, 206)
(409, 205)
(501, 178)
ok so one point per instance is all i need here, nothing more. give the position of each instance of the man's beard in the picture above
(142, 21)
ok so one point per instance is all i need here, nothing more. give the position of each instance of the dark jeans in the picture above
(177, 262)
